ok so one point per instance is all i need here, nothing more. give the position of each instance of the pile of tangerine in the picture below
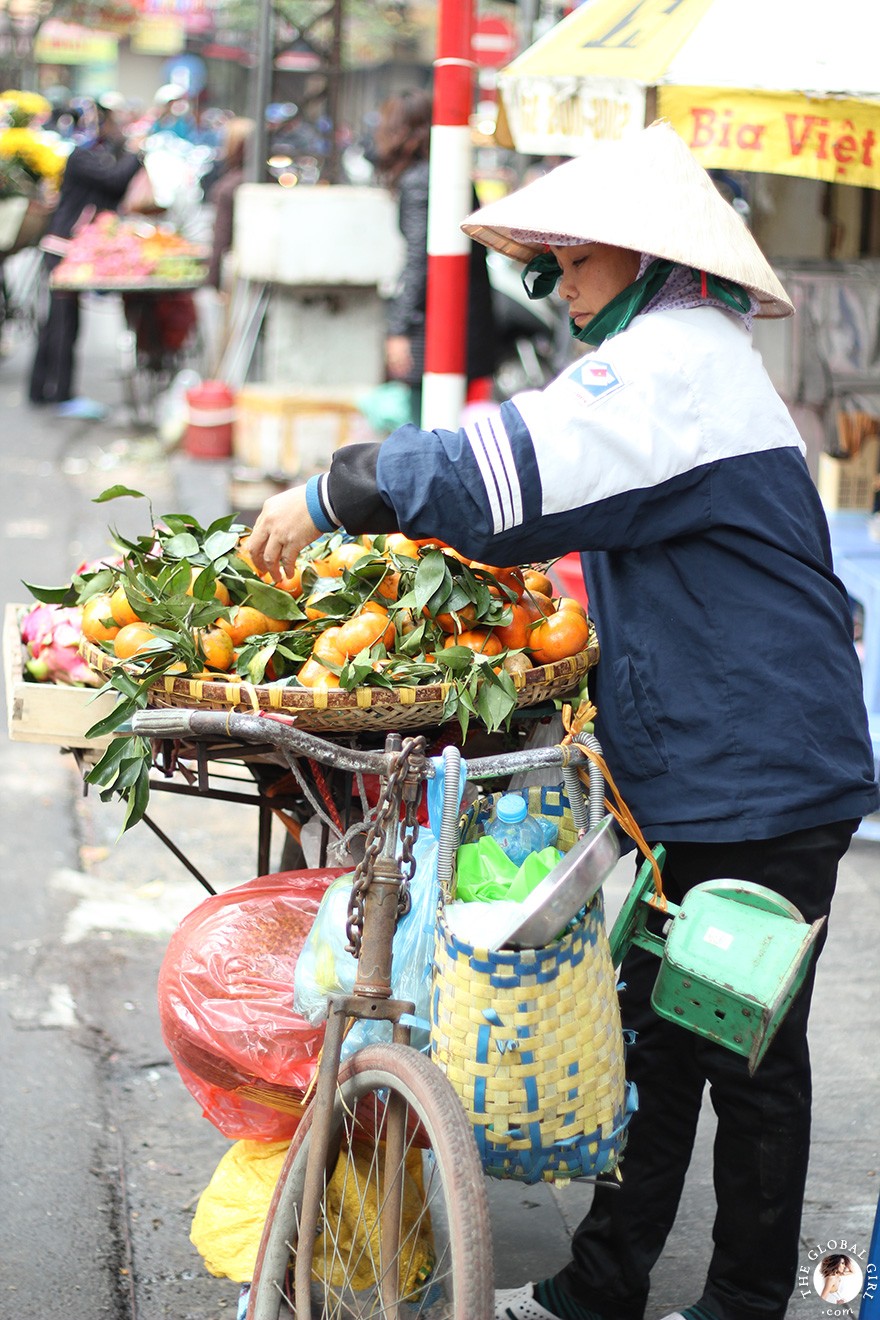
(543, 628)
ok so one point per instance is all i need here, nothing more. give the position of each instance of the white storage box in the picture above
(324, 237)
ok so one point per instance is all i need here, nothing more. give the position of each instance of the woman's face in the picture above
(593, 274)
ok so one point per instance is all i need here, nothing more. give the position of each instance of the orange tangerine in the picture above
(536, 605)
(535, 581)
(402, 545)
(569, 603)
(327, 647)
(326, 680)
(322, 567)
(120, 608)
(132, 639)
(558, 636)
(245, 555)
(448, 623)
(313, 675)
(312, 605)
(292, 585)
(245, 622)
(481, 640)
(514, 635)
(511, 578)
(365, 630)
(98, 624)
(345, 556)
(221, 591)
(216, 646)
(389, 587)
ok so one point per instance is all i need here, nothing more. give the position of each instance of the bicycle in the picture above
(161, 338)
(356, 1142)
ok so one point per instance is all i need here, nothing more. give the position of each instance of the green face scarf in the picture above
(542, 273)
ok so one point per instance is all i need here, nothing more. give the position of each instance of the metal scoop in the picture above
(570, 886)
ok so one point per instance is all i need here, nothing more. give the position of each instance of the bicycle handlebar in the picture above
(203, 724)
(208, 724)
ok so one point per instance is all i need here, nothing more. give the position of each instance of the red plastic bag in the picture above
(226, 1003)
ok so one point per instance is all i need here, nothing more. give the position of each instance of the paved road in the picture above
(104, 1153)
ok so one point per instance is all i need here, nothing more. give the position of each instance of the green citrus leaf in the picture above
(181, 546)
(117, 492)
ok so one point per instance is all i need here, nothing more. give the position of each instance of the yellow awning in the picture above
(612, 39)
(764, 85)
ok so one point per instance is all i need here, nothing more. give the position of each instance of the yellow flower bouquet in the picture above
(21, 108)
(30, 170)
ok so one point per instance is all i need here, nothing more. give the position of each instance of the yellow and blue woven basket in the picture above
(531, 1039)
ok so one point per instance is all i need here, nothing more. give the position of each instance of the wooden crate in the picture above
(850, 483)
(47, 712)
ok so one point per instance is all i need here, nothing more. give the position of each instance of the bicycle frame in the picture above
(371, 998)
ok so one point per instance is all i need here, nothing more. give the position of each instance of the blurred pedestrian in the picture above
(402, 147)
(96, 177)
(238, 135)
(172, 113)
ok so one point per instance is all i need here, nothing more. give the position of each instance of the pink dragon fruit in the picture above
(51, 634)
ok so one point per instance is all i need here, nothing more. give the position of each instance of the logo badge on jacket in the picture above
(595, 378)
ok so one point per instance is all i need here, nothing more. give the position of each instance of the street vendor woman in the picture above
(729, 693)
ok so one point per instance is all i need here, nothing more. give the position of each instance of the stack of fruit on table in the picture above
(187, 603)
(129, 253)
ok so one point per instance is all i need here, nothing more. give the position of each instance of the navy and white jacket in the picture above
(728, 689)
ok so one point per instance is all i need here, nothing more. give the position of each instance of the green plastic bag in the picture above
(485, 874)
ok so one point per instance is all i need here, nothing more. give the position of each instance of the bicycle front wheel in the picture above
(402, 1228)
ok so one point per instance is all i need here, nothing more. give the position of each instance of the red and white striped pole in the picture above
(450, 200)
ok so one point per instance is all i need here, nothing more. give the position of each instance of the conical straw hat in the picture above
(645, 192)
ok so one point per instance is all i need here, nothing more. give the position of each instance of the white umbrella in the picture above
(770, 86)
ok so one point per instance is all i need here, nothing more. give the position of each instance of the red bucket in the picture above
(211, 414)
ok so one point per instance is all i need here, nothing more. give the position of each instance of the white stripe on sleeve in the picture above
(491, 449)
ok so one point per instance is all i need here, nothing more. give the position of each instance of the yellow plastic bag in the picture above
(229, 1218)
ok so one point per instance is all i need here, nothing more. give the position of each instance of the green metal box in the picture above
(734, 956)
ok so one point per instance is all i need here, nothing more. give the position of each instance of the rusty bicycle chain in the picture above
(395, 789)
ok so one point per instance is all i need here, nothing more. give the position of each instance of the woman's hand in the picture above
(398, 356)
(280, 532)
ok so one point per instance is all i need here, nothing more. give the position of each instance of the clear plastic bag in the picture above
(544, 733)
(325, 966)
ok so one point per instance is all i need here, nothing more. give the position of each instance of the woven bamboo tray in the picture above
(364, 708)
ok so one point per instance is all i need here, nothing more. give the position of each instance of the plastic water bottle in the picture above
(549, 829)
(514, 830)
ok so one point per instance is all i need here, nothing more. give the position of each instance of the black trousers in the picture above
(763, 1131)
(51, 379)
